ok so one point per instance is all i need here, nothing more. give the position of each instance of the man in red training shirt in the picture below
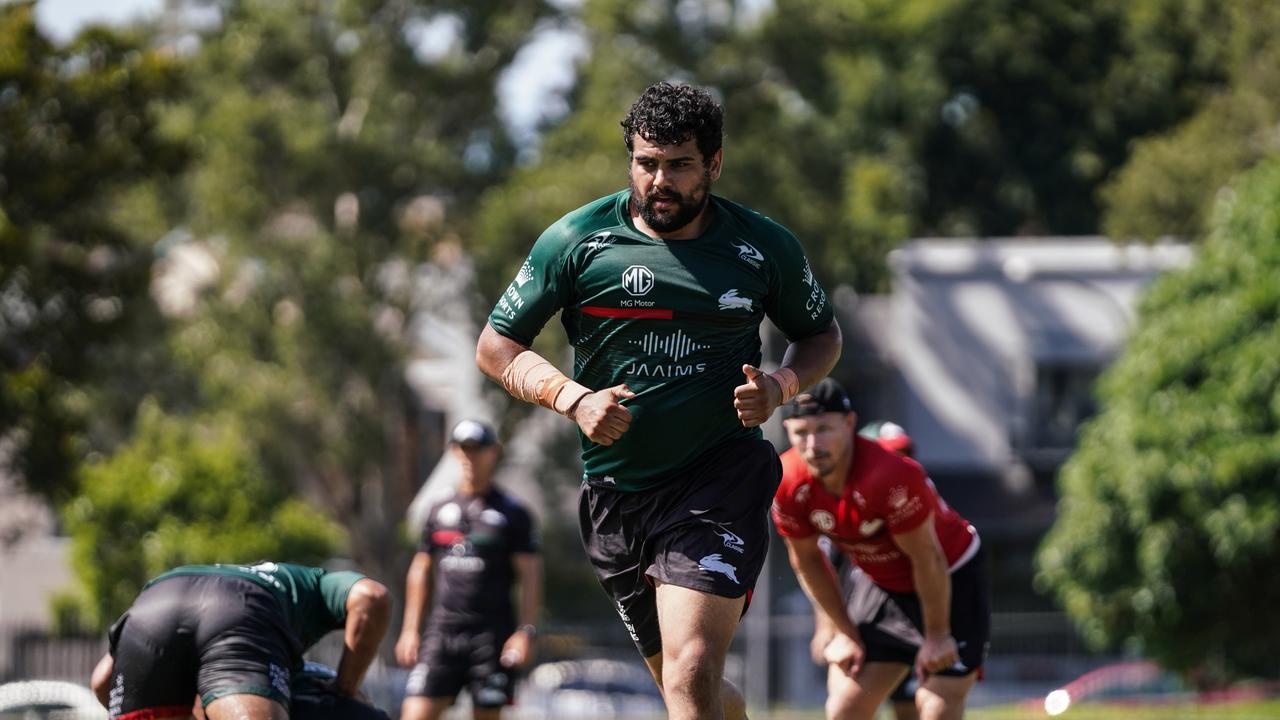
(881, 510)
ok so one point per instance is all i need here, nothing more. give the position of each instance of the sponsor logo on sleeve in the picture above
(714, 563)
(748, 253)
(525, 274)
(902, 504)
(817, 299)
(730, 300)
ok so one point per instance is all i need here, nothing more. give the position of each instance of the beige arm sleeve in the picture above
(532, 379)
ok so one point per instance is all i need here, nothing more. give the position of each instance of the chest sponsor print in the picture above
(675, 347)
(823, 520)
(637, 280)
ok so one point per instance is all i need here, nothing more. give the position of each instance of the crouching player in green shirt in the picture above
(235, 636)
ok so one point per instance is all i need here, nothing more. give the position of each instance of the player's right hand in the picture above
(600, 416)
(407, 649)
(845, 653)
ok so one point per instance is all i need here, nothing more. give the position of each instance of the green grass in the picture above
(1263, 710)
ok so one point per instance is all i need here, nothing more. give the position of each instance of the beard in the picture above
(684, 209)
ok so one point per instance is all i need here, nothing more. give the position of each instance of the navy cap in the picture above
(473, 432)
(827, 396)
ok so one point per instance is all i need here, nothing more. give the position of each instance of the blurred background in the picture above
(246, 248)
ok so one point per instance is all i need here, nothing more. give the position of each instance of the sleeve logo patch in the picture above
(525, 274)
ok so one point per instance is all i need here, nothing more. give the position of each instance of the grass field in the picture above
(1265, 710)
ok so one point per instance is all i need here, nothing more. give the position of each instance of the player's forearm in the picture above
(813, 357)
(368, 614)
(819, 583)
(525, 374)
(530, 591)
(417, 591)
(933, 587)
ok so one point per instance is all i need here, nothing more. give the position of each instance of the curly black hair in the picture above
(667, 114)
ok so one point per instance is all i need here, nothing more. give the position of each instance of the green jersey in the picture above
(673, 319)
(314, 600)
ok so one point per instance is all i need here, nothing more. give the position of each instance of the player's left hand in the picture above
(517, 651)
(756, 399)
(937, 653)
(845, 653)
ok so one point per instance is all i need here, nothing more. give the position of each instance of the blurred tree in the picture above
(341, 145)
(182, 491)
(975, 117)
(80, 142)
(898, 119)
(1171, 182)
(1168, 530)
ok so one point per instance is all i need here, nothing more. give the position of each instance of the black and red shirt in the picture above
(471, 539)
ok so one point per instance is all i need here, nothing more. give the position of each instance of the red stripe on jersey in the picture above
(446, 537)
(154, 713)
(653, 314)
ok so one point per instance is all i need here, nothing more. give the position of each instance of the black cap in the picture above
(474, 433)
(827, 396)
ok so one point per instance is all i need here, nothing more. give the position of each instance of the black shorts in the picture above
(707, 530)
(214, 635)
(451, 659)
(891, 623)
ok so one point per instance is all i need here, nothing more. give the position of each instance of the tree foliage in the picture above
(336, 155)
(1170, 185)
(80, 141)
(860, 124)
(182, 491)
(1169, 524)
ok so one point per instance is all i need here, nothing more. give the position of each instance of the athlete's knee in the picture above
(735, 706)
(693, 671)
(942, 698)
(421, 708)
(847, 704)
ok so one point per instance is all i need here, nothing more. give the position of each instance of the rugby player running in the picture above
(662, 289)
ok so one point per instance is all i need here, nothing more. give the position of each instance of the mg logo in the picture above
(637, 280)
